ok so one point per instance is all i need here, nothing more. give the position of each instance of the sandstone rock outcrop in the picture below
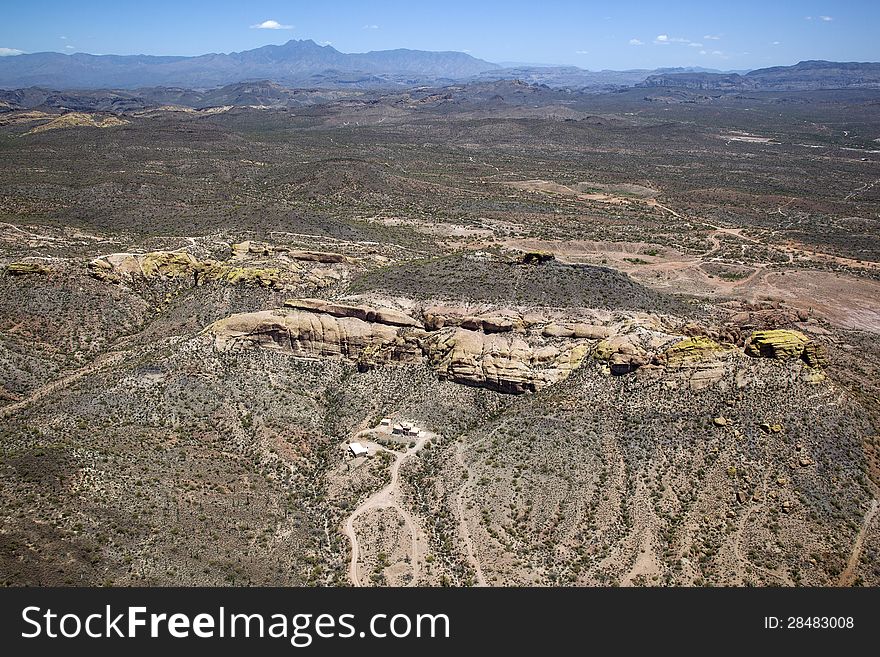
(26, 268)
(438, 318)
(702, 360)
(779, 344)
(536, 257)
(815, 354)
(365, 313)
(577, 330)
(505, 362)
(499, 350)
(159, 265)
(624, 353)
(243, 249)
(787, 345)
(316, 334)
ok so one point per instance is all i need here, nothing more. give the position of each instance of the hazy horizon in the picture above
(594, 36)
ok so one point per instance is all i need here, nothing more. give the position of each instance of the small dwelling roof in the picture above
(357, 449)
(386, 421)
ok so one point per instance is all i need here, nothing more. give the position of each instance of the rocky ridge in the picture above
(504, 351)
(289, 269)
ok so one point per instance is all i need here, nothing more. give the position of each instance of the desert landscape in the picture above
(607, 338)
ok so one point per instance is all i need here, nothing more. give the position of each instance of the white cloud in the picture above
(69, 48)
(702, 52)
(717, 52)
(827, 19)
(581, 52)
(325, 43)
(9, 52)
(636, 42)
(271, 25)
(712, 37)
(694, 44)
(370, 27)
(63, 38)
(808, 18)
(776, 43)
(665, 39)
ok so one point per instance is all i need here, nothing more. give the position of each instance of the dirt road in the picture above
(106, 360)
(848, 574)
(388, 497)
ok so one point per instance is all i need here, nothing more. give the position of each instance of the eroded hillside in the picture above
(633, 353)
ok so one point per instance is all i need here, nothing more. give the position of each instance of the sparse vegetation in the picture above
(130, 441)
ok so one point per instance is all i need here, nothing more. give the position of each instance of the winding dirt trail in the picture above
(848, 575)
(387, 497)
(861, 190)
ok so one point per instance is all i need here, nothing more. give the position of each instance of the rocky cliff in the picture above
(504, 351)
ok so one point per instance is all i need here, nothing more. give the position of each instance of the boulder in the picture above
(780, 344)
(577, 330)
(815, 355)
(693, 351)
(699, 358)
(537, 257)
(591, 331)
(622, 352)
(492, 323)
(706, 377)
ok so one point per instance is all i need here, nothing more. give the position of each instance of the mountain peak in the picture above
(298, 61)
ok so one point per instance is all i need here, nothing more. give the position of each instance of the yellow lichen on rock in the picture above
(25, 268)
(78, 120)
(167, 263)
(780, 344)
(692, 351)
(177, 264)
(786, 345)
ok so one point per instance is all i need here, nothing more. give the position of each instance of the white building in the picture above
(357, 449)
(386, 422)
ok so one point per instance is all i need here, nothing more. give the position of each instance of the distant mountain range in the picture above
(573, 77)
(803, 76)
(305, 64)
(295, 62)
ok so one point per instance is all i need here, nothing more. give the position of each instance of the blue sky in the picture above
(594, 35)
